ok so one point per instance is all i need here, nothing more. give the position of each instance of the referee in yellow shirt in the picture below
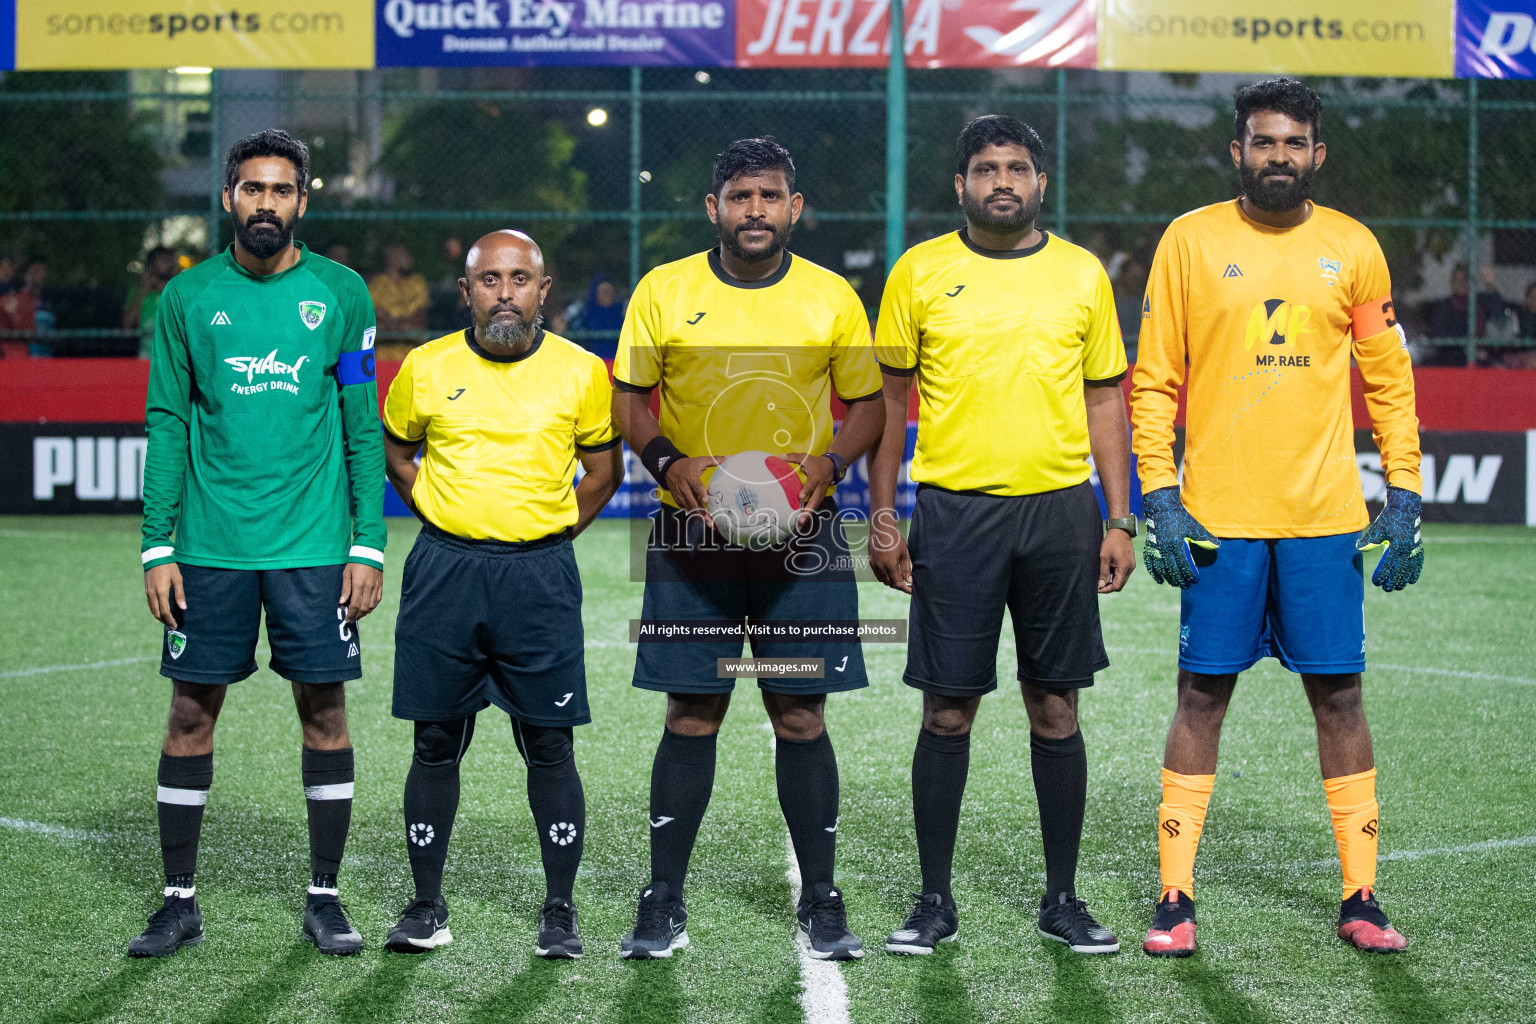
(490, 606)
(746, 342)
(1012, 337)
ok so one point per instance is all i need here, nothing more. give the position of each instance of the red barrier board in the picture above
(939, 33)
(112, 391)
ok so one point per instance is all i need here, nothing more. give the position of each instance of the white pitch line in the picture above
(1485, 846)
(57, 831)
(45, 669)
(1458, 673)
(823, 992)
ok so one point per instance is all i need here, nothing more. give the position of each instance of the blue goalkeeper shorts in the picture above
(1300, 600)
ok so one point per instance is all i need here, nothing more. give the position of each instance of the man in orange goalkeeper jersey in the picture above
(1257, 305)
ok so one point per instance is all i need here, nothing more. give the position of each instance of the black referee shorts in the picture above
(691, 576)
(975, 554)
(483, 622)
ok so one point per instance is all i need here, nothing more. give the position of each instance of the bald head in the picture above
(504, 285)
(506, 247)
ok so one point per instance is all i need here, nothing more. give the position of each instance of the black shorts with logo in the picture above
(974, 555)
(690, 574)
(486, 622)
(307, 627)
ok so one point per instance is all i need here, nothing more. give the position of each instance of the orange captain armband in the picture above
(1372, 318)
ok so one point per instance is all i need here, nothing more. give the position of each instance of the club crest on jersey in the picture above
(175, 642)
(311, 313)
(1331, 269)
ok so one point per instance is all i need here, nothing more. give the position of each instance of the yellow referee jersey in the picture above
(1261, 322)
(501, 432)
(1002, 343)
(746, 366)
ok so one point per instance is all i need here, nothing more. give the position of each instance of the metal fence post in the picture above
(635, 83)
(215, 160)
(896, 139)
(1061, 151)
(1473, 284)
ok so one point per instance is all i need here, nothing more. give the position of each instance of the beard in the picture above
(1009, 217)
(773, 248)
(264, 243)
(1275, 198)
(512, 332)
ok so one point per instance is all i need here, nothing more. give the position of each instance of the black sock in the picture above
(328, 778)
(1061, 788)
(559, 806)
(432, 800)
(806, 772)
(682, 777)
(180, 798)
(940, 765)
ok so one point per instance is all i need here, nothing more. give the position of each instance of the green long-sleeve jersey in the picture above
(264, 443)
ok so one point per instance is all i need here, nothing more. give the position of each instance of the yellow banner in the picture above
(78, 34)
(1373, 38)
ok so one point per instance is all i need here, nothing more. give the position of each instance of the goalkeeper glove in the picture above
(1398, 528)
(1170, 532)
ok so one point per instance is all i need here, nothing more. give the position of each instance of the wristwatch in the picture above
(1128, 524)
(839, 467)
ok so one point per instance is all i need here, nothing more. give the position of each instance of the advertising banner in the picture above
(84, 34)
(939, 33)
(7, 36)
(1496, 39)
(1406, 38)
(436, 33)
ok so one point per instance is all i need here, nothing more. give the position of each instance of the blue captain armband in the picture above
(355, 367)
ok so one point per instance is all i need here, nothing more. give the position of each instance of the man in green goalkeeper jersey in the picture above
(263, 487)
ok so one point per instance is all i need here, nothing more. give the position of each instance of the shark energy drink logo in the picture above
(267, 365)
(1276, 322)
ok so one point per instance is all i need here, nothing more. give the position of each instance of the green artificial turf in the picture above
(1451, 696)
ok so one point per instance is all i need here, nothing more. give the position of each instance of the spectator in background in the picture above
(1448, 316)
(160, 265)
(448, 311)
(24, 309)
(1524, 358)
(1527, 313)
(43, 317)
(10, 347)
(400, 296)
(1103, 244)
(1130, 290)
(602, 310)
(339, 252)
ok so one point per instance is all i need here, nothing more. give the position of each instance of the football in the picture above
(754, 498)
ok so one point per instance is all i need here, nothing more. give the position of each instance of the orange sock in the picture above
(1352, 805)
(1180, 817)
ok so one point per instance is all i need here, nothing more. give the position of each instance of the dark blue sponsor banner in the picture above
(437, 33)
(1496, 39)
(7, 34)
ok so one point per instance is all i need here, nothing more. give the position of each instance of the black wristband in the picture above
(839, 467)
(658, 455)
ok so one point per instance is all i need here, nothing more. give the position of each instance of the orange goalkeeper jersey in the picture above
(1262, 321)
